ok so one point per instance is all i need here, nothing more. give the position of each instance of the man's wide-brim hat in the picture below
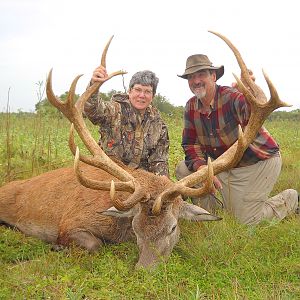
(198, 62)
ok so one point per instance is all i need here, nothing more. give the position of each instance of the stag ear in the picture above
(113, 212)
(195, 213)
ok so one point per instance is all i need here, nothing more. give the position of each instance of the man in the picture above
(131, 129)
(211, 124)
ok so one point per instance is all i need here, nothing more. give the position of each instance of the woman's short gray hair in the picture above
(144, 78)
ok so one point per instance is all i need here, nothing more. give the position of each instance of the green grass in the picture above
(218, 260)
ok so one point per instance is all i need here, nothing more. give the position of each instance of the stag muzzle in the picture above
(151, 253)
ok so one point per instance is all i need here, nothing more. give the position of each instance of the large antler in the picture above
(260, 110)
(73, 111)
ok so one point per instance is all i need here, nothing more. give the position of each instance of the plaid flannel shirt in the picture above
(210, 135)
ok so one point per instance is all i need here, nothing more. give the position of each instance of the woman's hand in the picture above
(99, 75)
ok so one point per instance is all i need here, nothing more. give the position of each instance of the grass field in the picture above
(218, 260)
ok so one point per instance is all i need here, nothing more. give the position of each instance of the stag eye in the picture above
(173, 229)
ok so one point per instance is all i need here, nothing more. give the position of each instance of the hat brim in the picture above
(219, 71)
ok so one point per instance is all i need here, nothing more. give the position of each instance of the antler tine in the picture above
(225, 161)
(181, 188)
(71, 96)
(105, 165)
(260, 109)
(52, 98)
(273, 93)
(138, 196)
(65, 107)
(96, 85)
(93, 88)
(245, 76)
(103, 57)
(99, 185)
(90, 160)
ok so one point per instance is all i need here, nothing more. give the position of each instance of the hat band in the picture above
(199, 65)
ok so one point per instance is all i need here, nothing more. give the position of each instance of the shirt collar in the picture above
(213, 103)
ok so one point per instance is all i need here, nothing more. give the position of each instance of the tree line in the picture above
(162, 103)
(44, 107)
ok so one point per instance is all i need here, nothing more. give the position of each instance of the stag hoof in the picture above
(57, 247)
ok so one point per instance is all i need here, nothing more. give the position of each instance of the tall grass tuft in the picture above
(8, 139)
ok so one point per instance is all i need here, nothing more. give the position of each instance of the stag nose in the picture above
(148, 257)
(146, 262)
(142, 265)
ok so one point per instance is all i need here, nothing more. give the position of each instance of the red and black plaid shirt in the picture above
(210, 135)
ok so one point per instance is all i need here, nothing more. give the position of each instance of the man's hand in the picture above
(216, 181)
(234, 84)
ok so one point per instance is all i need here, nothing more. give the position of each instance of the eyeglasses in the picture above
(145, 92)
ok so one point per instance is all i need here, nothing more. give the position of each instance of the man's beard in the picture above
(200, 94)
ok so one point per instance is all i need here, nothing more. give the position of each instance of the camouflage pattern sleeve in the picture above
(158, 160)
(97, 110)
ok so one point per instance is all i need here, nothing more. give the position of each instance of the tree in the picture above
(293, 115)
(107, 96)
(162, 104)
(45, 108)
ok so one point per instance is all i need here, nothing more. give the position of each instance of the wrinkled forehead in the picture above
(154, 227)
(201, 73)
(146, 208)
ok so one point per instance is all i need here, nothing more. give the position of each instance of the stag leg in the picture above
(82, 239)
(86, 240)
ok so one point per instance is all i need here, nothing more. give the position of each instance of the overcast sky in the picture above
(69, 37)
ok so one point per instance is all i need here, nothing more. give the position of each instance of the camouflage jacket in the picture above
(140, 143)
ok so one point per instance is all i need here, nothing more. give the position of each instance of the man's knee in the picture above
(291, 200)
(278, 207)
(181, 170)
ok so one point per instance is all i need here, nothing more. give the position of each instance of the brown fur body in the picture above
(56, 208)
(54, 205)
